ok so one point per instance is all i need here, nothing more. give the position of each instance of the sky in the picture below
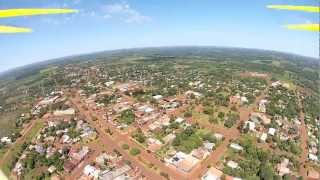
(115, 24)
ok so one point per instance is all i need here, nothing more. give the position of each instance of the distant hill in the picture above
(222, 53)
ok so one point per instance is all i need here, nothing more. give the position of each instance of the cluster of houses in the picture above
(237, 99)
(215, 174)
(313, 140)
(109, 166)
(151, 118)
(53, 97)
(186, 162)
(258, 124)
(75, 157)
(62, 134)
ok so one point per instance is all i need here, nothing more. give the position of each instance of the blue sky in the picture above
(104, 24)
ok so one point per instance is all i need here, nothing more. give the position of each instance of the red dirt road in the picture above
(118, 137)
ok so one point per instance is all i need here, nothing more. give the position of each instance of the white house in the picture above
(232, 164)
(272, 131)
(6, 140)
(236, 147)
(263, 137)
(179, 120)
(157, 97)
(313, 157)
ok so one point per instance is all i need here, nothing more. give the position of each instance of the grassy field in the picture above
(16, 149)
(7, 120)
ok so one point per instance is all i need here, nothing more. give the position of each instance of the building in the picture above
(208, 146)
(6, 140)
(263, 137)
(52, 169)
(312, 157)
(232, 164)
(169, 138)
(200, 153)
(262, 105)
(282, 167)
(179, 120)
(91, 171)
(157, 97)
(117, 173)
(236, 147)
(183, 162)
(218, 136)
(67, 112)
(212, 174)
(272, 131)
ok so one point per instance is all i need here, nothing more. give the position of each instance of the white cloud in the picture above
(125, 12)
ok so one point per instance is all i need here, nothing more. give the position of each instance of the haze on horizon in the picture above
(114, 24)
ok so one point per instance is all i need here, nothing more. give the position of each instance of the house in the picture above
(272, 131)
(154, 144)
(183, 162)
(250, 125)
(77, 156)
(193, 93)
(187, 164)
(260, 117)
(179, 120)
(312, 157)
(66, 139)
(275, 84)
(244, 100)
(109, 83)
(262, 105)
(212, 174)
(232, 178)
(89, 136)
(6, 140)
(39, 149)
(234, 99)
(265, 120)
(236, 147)
(218, 136)
(263, 137)
(208, 146)
(200, 153)
(282, 167)
(101, 159)
(157, 97)
(18, 168)
(52, 169)
(49, 139)
(91, 171)
(116, 173)
(232, 164)
(50, 151)
(67, 112)
(169, 138)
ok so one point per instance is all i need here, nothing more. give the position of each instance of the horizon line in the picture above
(148, 47)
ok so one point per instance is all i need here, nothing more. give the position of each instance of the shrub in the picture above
(134, 151)
(125, 146)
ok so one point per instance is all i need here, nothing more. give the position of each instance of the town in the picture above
(165, 120)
